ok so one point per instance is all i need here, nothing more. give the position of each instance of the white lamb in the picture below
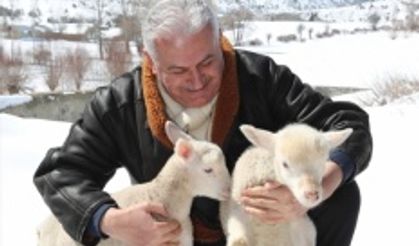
(294, 156)
(197, 168)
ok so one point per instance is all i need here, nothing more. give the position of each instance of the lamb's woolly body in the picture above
(195, 168)
(305, 150)
(171, 188)
(254, 167)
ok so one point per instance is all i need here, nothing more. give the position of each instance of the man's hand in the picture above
(273, 203)
(137, 225)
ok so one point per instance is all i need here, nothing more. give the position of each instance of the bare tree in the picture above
(374, 18)
(99, 7)
(12, 71)
(130, 22)
(117, 59)
(41, 54)
(78, 62)
(35, 15)
(235, 20)
(300, 29)
(55, 70)
(412, 18)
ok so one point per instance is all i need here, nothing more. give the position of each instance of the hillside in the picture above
(53, 14)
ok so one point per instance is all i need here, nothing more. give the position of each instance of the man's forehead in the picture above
(182, 57)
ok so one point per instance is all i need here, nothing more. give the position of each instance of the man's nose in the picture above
(196, 80)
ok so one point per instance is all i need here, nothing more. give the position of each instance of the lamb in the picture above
(196, 168)
(294, 156)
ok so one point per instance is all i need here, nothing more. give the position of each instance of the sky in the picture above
(389, 186)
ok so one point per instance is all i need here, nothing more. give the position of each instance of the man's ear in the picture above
(174, 133)
(259, 137)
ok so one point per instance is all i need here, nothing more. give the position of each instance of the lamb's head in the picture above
(300, 153)
(204, 161)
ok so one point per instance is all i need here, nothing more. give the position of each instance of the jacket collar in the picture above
(225, 109)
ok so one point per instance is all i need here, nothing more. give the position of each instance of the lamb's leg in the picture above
(51, 233)
(236, 225)
(308, 238)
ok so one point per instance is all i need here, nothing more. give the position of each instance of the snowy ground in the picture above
(23, 144)
(359, 60)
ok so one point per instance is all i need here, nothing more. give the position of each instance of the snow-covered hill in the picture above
(326, 10)
(290, 5)
(50, 12)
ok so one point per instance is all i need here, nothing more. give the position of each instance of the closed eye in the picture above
(208, 170)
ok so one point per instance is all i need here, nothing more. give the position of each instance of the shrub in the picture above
(255, 42)
(391, 89)
(54, 72)
(77, 64)
(41, 55)
(287, 38)
(117, 59)
(12, 72)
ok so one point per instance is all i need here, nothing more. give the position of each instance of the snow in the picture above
(363, 59)
(23, 145)
(388, 213)
(13, 100)
(389, 205)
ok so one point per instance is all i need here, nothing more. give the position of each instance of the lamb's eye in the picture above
(208, 170)
(285, 165)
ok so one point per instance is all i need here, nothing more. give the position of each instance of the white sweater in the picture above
(195, 121)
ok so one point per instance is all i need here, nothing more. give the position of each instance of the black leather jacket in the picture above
(113, 132)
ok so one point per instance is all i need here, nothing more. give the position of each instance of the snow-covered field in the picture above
(359, 60)
(389, 205)
(23, 144)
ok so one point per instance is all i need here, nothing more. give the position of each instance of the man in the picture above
(193, 76)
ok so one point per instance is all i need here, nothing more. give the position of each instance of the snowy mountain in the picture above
(61, 14)
(325, 10)
(26, 12)
(290, 5)
(49, 12)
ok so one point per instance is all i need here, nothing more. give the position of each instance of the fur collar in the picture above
(225, 109)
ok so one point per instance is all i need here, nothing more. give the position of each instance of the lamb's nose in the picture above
(312, 195)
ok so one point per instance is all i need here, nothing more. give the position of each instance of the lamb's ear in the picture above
(174, 132)
(259, 137)
(183, 148)
(337, 137)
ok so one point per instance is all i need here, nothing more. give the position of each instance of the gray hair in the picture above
(174, 18)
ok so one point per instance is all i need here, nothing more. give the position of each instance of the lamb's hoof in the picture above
(239, 242)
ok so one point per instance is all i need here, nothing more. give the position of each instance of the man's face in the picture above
(190, 68)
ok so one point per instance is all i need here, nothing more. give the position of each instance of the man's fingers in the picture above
(272, 185)
(173, 235)
(264, 215)
(259, 202)
(168, 232)
(175, 243)
(167, 227)
(257, 191)
(155, 208)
